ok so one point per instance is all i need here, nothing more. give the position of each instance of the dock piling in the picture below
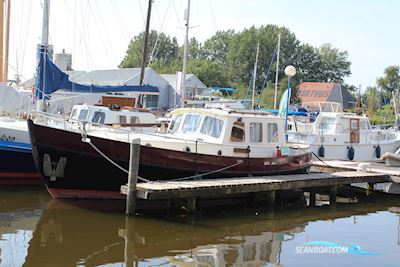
(312, 199)
(132, 177)
(332, 195)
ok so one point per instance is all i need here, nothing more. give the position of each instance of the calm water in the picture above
(38, 231)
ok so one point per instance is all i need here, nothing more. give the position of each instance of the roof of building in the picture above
(192, 81)
(325, 92)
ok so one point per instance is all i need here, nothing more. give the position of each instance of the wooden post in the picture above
(312, 199)
(129, 248)
(132, 177)
(332, 195)
(270, 199)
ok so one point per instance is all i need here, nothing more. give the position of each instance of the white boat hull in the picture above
(362, 152)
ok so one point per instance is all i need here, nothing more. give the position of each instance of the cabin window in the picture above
(272, 133)
(99, 117)
(175, 123)
(256, 132)
(364, 125)
(327, 125)
(83, 115)
(122, 119)
(134, 120)
(191, 122)
(237, 134)
(212, 126)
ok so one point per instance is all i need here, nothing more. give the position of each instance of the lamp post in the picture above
(290, 71)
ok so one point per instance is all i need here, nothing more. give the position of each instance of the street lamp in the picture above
(290, 71)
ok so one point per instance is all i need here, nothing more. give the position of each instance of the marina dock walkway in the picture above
(243, 185)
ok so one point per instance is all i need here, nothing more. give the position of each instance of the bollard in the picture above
(132, 177)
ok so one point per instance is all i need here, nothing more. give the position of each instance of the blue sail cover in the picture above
(54, 79)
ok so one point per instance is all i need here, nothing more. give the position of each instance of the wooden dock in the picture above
(252, 188)
(243, 185)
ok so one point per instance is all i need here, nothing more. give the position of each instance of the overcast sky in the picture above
(97, 32)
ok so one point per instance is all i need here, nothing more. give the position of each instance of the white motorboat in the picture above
(335, 134)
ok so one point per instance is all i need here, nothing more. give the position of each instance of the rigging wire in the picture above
(118, 16)
(110, 55)
(178, 20)
(159, 33)
(143, 18)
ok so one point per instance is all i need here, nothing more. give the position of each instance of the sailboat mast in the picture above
(255, 76)
(7, 42)
(45, 24)
(2, 40)
(43, 49)
(185, 55)
(145, 43)
(277, 68)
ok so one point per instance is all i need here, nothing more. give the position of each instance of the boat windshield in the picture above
(83, 114)
(191, 122)
(212, 126)
(175, 123)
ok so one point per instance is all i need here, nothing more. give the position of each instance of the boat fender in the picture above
(278, 152)
(187, 149)
(219, 152)
(321, 151)
(350, 153)
(378, 151)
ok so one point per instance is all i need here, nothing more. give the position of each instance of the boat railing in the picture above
(323, 107)
(67, 123)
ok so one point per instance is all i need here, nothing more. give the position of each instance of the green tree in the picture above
(371, 95)
(335, 64)
(390, 80)
(163, 53)
(217, 47)
(210, 72)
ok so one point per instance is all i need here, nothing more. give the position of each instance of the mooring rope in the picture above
(211, 172)
(88, 141)
(315, 155)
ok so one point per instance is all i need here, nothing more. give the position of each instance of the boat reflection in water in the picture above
(70, 236)
(19, 212)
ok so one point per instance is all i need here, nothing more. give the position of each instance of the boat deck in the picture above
(242, 185)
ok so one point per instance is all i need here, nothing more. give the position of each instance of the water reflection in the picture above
(19, 213)
(62, 234)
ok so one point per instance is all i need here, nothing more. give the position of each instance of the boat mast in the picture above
(254, 77)
(43, 49)
(1, 40)
(145, 43)
(7, 42)
(277, 68)
(185, 55)
(145, 47)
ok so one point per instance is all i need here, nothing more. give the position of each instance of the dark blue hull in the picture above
(17, 165)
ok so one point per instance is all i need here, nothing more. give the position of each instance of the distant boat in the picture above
(341, 135)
